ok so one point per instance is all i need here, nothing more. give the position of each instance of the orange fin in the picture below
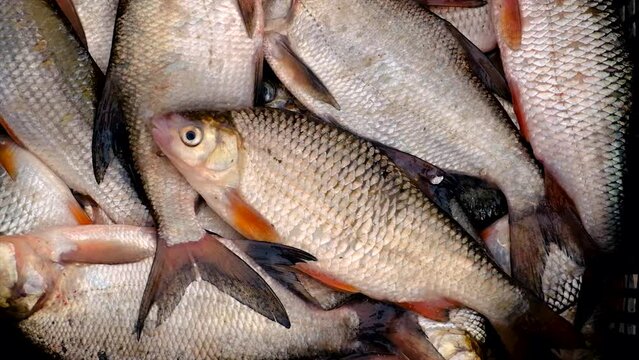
(518, 107)
(78, 213)
(326, 279)
(496, 237)
(509, 22)
(5, 125)
(175, 267)
(71, 14)
(7, 157)
(248, 221)
(433, 309)
(291, 69)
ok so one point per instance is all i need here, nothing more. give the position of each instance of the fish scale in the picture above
(47, 100)
(571, 75)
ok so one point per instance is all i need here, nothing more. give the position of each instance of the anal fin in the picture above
(327, 279)
(432, 309)
(175, 267)
(292, 70)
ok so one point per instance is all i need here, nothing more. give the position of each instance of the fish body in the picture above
(411, 87)
(570, 77)
(72, 314)
(475, 23)
(335, 195)
(98, 22)
(48, 100)
(32, 197)
(177, 55)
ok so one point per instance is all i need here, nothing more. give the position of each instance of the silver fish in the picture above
(32, 197)
(48, 100)
(98, 21)
(570, 74)
(411, 87)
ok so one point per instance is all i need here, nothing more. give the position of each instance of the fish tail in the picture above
(175, 267)
(550, 247)
(530, 334)
(384, 328)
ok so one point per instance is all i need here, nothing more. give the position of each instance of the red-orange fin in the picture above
(68, 9)
(433, 309)
(175, 267)
(509, 22)
(292, 70)
(7, 157)
(78, 213)
(248, 221)
(326, 279)
(252, 15)
(453, 3)
(11, 133)
(518, 107)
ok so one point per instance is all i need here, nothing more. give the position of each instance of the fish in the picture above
(463, 337)
(32, 197)
(48, 99)
(210, 57)
(71, 312)
(475, 23)
(336, 196)
(570, 72)
(98, 21)
(413, 88)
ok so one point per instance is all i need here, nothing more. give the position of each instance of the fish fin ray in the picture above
(248, 221)
(326, 279)
(481, 65)
(509, 22)
(174, 268)
(496, 238)
(277, 260)
(7, 157)
(287, 65)
(78, 213)
(107, 122)
(436, 309)
(252, 15)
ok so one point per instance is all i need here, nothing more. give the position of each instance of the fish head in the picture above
(26, 276)
(203, 147)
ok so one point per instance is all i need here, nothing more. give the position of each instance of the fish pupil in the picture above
(190, 135)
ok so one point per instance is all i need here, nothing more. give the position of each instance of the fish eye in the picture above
(266, 92)
(191, 135)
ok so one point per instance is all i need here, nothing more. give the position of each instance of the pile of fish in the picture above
(274, 179)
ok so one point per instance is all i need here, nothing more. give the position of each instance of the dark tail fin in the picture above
(175, 267)
(534, 332)
(386, 329)
(550, 248)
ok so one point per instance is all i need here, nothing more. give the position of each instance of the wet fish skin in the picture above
(176, 55)
(333, 194)
(80, 319)
(570, 76)
(475, 23)
(98, 21)
(47, 101)
(420, 96)
(32, 197)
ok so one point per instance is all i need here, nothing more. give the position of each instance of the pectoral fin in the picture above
(292, 70)
(509, 22)
(248, 221)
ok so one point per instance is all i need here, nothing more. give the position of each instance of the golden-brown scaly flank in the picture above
(570, 79)
(336, 196)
